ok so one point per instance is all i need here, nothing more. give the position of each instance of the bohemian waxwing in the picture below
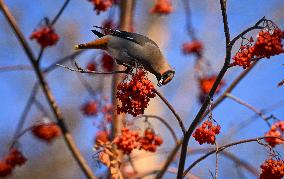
(131, 49)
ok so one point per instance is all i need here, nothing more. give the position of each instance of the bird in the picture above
(132, 49)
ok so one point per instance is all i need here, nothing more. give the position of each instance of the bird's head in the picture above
(166, 77)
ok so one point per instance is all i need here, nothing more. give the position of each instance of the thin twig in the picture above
(15, 68)
(258, 112)
(230, 156)
(216, 163)
(220, 149)
(203, 108)
(80, 70)
(40, 107)
(62, 60)
(162, 121)
(172, 110)
(52, 103)
(25, 112)
(55, 19)
(169, 160)
(188, 16)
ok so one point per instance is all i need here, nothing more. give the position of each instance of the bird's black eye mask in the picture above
(117, 33)
(164, 77)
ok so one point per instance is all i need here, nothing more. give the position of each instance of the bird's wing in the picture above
(97, 33)
(134, 37)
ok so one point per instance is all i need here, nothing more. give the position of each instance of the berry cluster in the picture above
(13, 159)
(162, 7)
(92, 66)
(127, 141)
(206, 133)
(205, 85)
(272, 169)
(243, 56)
(194, 47)
(107, 111)
(267, 44)
(46, 131)
(276, 130)
(45, 36)
(102, 136)
(90, 108)
(108, 24)
(107, 62)
(150, 141)
(102, 5)
(135, 94)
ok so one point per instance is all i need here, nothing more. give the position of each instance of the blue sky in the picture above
(259, 88)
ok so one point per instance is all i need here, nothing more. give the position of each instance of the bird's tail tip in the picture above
(80, 46)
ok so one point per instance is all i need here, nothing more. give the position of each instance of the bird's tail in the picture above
(100, 43)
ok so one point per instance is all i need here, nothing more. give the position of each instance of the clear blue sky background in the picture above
(259, 88)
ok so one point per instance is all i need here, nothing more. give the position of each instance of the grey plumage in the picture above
(131, 48)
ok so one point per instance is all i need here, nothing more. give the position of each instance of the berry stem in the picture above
(172, 110)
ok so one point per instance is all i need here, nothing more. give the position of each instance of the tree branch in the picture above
(258, 112)
(172, 110)
(228, 155)
(203, 108)
(225, 147)
(66, 134)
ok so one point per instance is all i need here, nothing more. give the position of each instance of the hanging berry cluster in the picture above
(90, 108)
(150, 141)
(102, 136)
(272, 169)
(130, 140)
(127, 141)
(194, 47)
(107, 62)
(205, 84)
(108, 24)
(45, 36)
(92, 66)
(243, 56)
(162, 7)
(46, 131)
(13, 159)
(135, 94)
(268, 43)
(102, 5)
(206, 133)
(107, 111)
(276, 130)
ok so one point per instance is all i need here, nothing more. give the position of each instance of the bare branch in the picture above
(228, 155)
(162, 121)
(173, 111)
(258, 112)
(15, 68)
(225, 147)
(80, 70)
(52, 103)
